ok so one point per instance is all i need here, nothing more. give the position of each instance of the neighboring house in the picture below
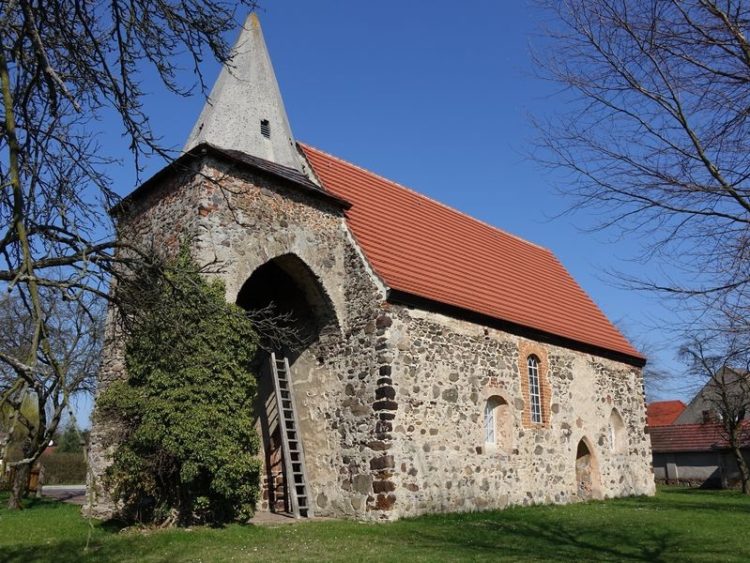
(704, 407)
(449, 365)
(689, 442)
(663, 413)
(694, 454)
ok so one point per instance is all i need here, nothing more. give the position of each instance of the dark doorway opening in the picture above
(294, 312)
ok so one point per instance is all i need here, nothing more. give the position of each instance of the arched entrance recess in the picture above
(588, 481)
(293, 312)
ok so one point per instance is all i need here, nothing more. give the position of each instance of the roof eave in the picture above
(397, 296)
(184, 163)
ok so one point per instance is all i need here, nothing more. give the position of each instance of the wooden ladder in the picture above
(291, 442)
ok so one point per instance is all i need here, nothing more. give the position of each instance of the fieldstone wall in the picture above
(391, 399)
(442, 373)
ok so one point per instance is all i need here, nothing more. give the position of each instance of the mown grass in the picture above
(676, 525)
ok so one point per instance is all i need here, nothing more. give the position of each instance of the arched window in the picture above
(498, 423)
(535, 390)
(618, 436)
(489, 423)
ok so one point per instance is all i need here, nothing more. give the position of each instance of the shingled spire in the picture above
(245, 111)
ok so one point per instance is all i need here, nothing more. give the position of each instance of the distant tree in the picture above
(73, 329)
(188, 448)
(722, 364)
(656, 135)
(64, 66)
(70, 440)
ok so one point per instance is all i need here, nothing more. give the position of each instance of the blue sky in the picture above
(437, 96)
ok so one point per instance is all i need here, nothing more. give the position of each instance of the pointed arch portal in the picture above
(296, 304)
(588, 482)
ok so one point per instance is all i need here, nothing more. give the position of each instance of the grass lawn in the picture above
(676, 525)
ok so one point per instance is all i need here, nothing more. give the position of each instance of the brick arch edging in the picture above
(526, 349)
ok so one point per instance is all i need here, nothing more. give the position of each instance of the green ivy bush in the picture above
(189, 448)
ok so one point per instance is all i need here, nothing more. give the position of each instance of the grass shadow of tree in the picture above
(542, 541)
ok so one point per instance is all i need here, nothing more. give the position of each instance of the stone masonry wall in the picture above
(246, 223)
(442, 373)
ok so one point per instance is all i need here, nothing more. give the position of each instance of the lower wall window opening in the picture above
(498, 425)
(489, 423)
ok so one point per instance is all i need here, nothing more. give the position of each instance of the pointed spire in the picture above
(245, 111)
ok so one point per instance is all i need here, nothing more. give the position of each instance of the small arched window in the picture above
(489, 422)
(618, 436)
(535, 390)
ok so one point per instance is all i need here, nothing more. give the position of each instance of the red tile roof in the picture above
(663, 413)
(426, 249)
(687, 438)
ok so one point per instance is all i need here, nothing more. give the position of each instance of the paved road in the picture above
(74, 494)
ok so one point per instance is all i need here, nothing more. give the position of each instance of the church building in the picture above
(446, 365)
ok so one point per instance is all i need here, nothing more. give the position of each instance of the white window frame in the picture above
(535, 390)
(490, 436)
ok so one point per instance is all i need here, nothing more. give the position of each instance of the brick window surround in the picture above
(526, 349)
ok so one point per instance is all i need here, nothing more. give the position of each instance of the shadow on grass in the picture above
(540, 533)
(70, 551)
(520, 540)
(700, 499)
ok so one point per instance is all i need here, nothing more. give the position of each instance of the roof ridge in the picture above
(421, 195)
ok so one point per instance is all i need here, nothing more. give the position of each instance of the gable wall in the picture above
(250, 221)
(708, 397)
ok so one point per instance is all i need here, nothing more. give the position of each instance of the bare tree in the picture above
(74, 330)
(657, 134)
(63, 64)
(723, 363)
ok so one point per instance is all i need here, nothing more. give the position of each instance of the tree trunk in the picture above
(18, 486)
(744, 469)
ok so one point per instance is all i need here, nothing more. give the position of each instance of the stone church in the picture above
(447, 366)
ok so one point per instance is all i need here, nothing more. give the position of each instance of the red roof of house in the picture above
(687, 438)
(429, 250)
(663, 413)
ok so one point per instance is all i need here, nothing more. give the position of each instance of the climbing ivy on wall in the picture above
(189, 448)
